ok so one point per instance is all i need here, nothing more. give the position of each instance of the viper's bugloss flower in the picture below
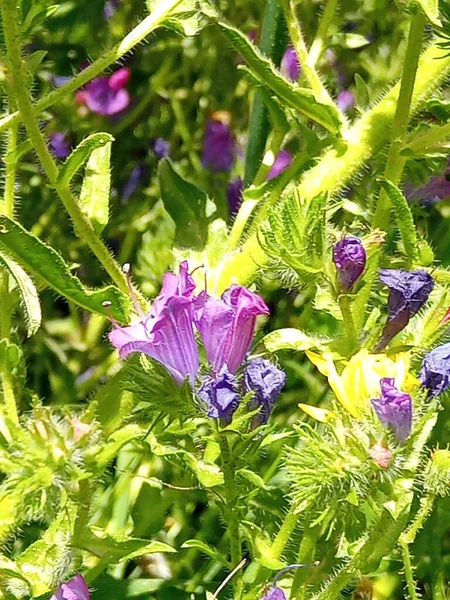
(107, 95)
(227, 325)
(219, 146)
(132, 183)
(221, 395)
(266, 380)
(345, 101)
(74, 589)
(274, 593)
(290, 65)
(161, 148)
(234, 195)
(60, 146)
(435, 371)
(408, 292)
(166, 333)
(360, 378)
(349, 257)
(282, 161)
(394, 409)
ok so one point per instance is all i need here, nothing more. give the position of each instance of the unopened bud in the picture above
(438, 475)
(380, 455)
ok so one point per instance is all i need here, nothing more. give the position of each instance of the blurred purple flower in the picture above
(274, 594)
(394, 409)
(60, 146)
(436, 189)
(74, 589)
(345, 101)
(227, 326)
(349, 256)
(234, 195)
(107, 95)
(166, 333)
(266, 380)
(408, 292)
(282, 161)
(219, 146)
(161, 147)
(435, 371)
(60, 80)
(290, 65)
(220, 395)
(110, 8)
(132, 183)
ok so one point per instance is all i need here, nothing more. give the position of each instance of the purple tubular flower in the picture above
(349, 257)
(74, 589)
(107, 95)
(282, 161)
(435, 371)
(345, 101)
(227, 326)
(266, 380)
(219, 146)
(220, 395)
(166, 333)
(59, 145)
(408, 292)
(161, 147)
(290, 65)
(394, 409)
(234, 195)
(274, 594)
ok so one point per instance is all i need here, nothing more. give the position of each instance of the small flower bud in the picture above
(435, 372)
(394, 409)
(349, 256)
(438, 475)
(380, 455)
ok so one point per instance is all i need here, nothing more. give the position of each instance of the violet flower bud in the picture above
(435, 371)
(60, 146)
(234, 195)
(394, 409)
(349, 256)
(283, 160)
(161, 148)
(74, 589)
(219, 146)
(220, 395)
(266, 380)
(290, 65)
(345, 101)
(408, 292)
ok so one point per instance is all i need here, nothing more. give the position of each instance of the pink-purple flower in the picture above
(274, 593)
(345, 101)
(394, 409)
(74, 589)
(107, 95)
(290, 65)
(283, 160)
(219, 146)
(60, 145)
(435, 371)
(349, 257)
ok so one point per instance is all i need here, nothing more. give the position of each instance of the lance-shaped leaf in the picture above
(297, 98)
(405, 221)
(28, 293)
(94, 196)
(45, 262)
(81, 154)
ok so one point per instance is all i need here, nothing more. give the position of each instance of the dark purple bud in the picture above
(161, 147)
(275, 593)
(74, 589)
(349, 257)
(234, 195)
(394, 409)
(290, 65)
(345, 101)
(219, 146)
(266, 381)
(220, 395)
(408, 292)
(282, 161)
(435, 371)
(59, 144)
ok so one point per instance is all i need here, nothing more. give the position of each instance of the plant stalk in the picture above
(317, 46)
(409, 576)
(305, 555)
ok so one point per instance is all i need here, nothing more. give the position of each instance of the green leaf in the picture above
(300, 99)
(34, 60)
(44, 261)
(15, 155)
(28, 293)
(81, 154)
(208, 474)
(362, 91)
(431, 10)
(208, 550)
(289, 339)
(10, 354)
(405, 221)
(36, 16)
(186, 204)
(315, 227)
(94, 196)
(361, 301)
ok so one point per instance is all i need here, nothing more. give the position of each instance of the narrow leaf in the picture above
(289, 339)
(44, 261)
(203, 547)
(81, 154)
(15, 155)
(404, 218)
(94, 196)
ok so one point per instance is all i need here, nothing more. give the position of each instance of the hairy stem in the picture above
(410, 583)
(426, 506)
(395, 162)
(319, 41)
(348, 322)
(305, 555)
(285, 533)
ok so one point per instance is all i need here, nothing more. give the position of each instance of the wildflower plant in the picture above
(237, 365)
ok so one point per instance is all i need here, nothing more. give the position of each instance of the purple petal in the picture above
(74, 589)
(282, 161)
(219, 146)
(394, 409)
(274, 594)
(101, 99)
(220, 395)
(122, 338)
(161, 147)
(60, 80)
(234, 195)
(349, 256)
(214, 320)
(290, 65)
(119, 79)
(435, 371)
(266, 380)
(345, 101)
(59, 145)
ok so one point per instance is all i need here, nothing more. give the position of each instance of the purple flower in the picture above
(435, 371)
(220, 395)
(166, 333)
(132, 183)
(107, 95)
(161, 147)
(436, 189)
(345, 101)
(394, 409)
(349, 257)
(234, 195)
(274, 594)
(227, 326)
(60, 80)
(290, 65)
(74, 589)
(408, 291)
(266, 380)
(219, 146)
(110, 8)
(282, 161)
(60, 146)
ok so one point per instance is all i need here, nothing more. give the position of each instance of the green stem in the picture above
(395, 162)
(426, 506)
(81, 223)
(412, 589)
(305, 555)
(319, 41)
(139, 33)
(347, 320)
(285, 533)
(8, 394)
